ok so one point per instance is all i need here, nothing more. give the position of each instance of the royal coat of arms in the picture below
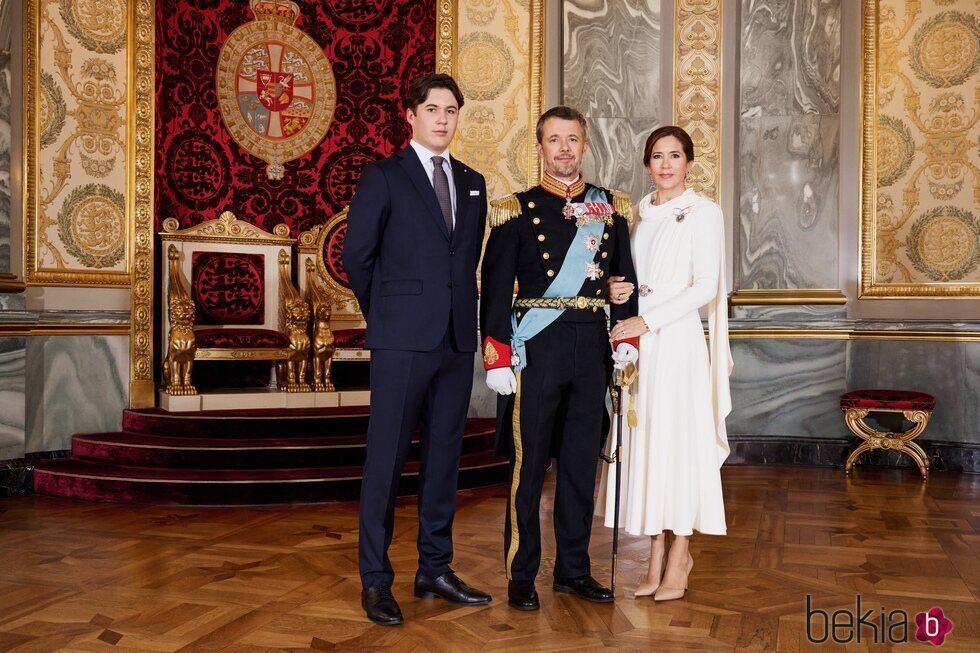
(275, 86)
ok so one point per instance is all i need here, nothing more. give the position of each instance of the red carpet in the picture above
(241, 457)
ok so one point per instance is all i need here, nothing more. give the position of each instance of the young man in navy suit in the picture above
(414, 233)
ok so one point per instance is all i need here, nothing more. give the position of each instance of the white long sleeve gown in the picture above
(672, 459)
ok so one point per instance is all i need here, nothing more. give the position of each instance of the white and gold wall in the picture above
(922, 160)
(77, 225)
(494, 49)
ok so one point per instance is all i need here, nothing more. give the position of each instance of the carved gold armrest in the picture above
(181, 346)
(323, 345)
(294, 317)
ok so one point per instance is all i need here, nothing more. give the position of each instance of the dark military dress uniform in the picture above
(559, 408)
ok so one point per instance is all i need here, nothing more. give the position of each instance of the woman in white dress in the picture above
(672, 474)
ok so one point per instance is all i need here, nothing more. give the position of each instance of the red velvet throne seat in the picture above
(240, 304)
(339, 327)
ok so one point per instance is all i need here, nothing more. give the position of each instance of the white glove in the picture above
(502, 380)
(625, 353)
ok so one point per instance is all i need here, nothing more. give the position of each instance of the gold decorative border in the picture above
(775, 333)
(536, 90)
(447, 51)
(787, 297)
(446, 36)
(9, 283)
(868, 288)
(697, 88)
(139, 199)
(34, 275)
(65, 329)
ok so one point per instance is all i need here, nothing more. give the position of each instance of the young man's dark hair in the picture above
(419, 90)
(563, 112)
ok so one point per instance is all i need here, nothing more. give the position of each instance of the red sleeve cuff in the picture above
(495, 354)
(635, 341)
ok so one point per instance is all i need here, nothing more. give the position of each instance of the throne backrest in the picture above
(322, 246)
(232, 271)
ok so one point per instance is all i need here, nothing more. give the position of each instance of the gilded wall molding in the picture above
(495, 50)
(920, 169)
(142, 393)
(446, 37)
(697, 88)
(787, 297)
(77, 143)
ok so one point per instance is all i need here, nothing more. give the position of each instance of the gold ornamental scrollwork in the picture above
(920, 167)
(79, 150)
(697, 88)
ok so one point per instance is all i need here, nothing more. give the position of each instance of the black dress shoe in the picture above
(380, 605)
(449, 587)
(521, 595)
(587, 587)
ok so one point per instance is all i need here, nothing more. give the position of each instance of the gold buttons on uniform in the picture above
(605, 254)
(551, 273)
(530, 205)
(541, 238)
(536, 220)
(595, 309)
(598, 292)
(546, 256)
(605, 236)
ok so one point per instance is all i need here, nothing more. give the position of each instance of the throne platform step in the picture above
(242, 457)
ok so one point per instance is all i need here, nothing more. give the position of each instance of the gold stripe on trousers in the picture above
(515, 481)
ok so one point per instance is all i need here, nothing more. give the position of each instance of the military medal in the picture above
(569, 209)
(593, 271)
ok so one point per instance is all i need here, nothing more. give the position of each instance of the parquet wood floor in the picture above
(96, 577)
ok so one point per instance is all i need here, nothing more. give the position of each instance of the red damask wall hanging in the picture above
(376, 47)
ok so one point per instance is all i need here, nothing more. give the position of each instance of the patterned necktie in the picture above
(440, 182)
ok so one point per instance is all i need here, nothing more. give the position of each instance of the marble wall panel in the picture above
(788, 176)
(13, 353)
(611, 73)
(788, 388)
(788, 202)
(483, 400)
(76, 384)
(614, 159)
(950, 371)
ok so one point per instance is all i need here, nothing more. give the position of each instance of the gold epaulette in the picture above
(503, 209)
(623, 205)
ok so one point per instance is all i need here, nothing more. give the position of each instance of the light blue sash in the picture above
(566, 283)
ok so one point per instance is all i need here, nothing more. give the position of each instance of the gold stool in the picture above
(914, 406)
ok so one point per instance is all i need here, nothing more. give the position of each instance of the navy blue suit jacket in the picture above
(409, 276)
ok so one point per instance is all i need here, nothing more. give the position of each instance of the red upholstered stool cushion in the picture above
(349, 338)
(888, 400)
(240, 338)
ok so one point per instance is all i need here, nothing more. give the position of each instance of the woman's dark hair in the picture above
(564, 113)
(418, 92)
(669, 130)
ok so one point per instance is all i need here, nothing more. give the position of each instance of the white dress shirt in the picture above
(425, 156)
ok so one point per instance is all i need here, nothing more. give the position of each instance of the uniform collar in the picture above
(561, 189)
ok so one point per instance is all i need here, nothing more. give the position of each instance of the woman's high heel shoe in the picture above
(672, 593)
(648, 589)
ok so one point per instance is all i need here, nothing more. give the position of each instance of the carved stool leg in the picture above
(861, 448)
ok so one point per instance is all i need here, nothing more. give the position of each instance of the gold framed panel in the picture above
(908, 250)
(96, 117)
(698, 30)
(495, 50)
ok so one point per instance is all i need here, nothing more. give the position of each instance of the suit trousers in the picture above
(559, 409)
(431, 391)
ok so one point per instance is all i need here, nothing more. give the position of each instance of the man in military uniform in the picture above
(547, 353)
